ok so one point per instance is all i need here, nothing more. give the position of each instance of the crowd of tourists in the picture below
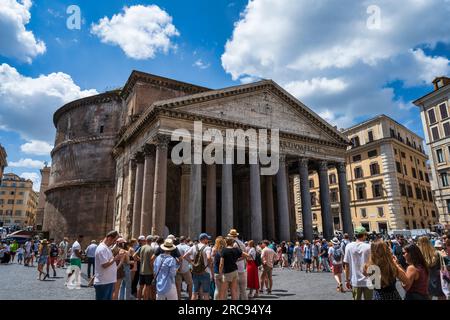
(227, 267)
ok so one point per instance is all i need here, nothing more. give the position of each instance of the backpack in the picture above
(53, 250)
(337, 254)
(258, 259)
(198, 266)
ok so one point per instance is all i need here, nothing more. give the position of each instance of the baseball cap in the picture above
(204, 236)
(141, 238)
(360, 230)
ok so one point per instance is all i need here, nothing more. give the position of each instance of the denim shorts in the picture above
(201, 281)
(42, 260)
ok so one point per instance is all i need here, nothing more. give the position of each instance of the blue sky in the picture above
(325, 54)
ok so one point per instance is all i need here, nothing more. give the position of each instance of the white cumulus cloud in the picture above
(37, 147)
(15, 41)
(27, 163)
(201, 64)
(141, 31)
(324, 53)
(34, 177)
(27, 104)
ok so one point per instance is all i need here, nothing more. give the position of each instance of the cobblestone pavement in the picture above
(19, 282)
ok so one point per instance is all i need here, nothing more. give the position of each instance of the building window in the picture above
(395, 151)
(431, 116)
(447, 129)
(332, 178)
(366, 226)
(424, 195)
(10, 201)
(372, 153)
(377, 189)
(402, 189)
(443, 110)
(19, 201)
(414, 173)
(433, 213)
(392, 133)
(411, 211)
(357, 158)
(12, 193)
(311, 183)
(414, 225)
(313, 199)
(374, 168)
(358, 173)
(435, 133)
(405, 170)
(405, 212)
(420, 175)
(418, 193)
(439, 155)
(380, 212)
(444, 179)
(21, 193)
(18, 212)
(403, 155)
(314, 216)
(430, 195)
(370, 133)
(399, 166)
(355, 142)
(361, 191)
(101, 129)
(427, 178)
(410, 192)
(334, 195)
(363, 212)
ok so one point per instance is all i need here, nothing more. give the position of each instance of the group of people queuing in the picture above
(157, 268)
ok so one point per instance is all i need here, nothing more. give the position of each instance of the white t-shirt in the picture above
(193, 251)
(104, 275)
(75, 246)
(183, 248)
(356, 255)
(240, 263)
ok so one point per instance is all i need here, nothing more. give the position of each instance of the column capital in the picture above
(303, 162)
(138, 157)
(162, 141)
(341, 167)
(323, 165)
(148, 150)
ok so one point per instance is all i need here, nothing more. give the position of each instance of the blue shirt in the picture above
(166, 268)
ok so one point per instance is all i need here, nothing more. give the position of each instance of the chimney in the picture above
(440, 82)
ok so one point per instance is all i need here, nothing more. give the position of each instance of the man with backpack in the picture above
(337, 256)
(202, 271)
(345, 242)
(52, 257)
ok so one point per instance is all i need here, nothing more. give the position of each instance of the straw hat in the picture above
(335, 240)
(44, 241)
(168, 245)
(233, 233)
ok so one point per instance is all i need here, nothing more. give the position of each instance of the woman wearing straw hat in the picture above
(165, 270)
(43, 257)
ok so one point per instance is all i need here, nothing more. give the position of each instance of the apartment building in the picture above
(435, 114)
(388, 180)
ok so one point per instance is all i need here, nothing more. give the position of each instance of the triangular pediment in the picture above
(262, 107)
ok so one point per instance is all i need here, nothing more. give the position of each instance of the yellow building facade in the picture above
(18, 201)
(388, 180)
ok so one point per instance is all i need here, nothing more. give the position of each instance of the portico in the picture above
(189, 198)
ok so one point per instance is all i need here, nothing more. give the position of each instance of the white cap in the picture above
(171, 236)
(141, 238)
(438, 244)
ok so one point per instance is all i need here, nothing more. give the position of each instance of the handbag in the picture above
(445, 278)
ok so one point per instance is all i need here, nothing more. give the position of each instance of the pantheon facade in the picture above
(112, 165)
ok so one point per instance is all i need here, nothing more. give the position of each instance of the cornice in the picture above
(78, 183)
(160, 82)
(99, 98)
(81, 140)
